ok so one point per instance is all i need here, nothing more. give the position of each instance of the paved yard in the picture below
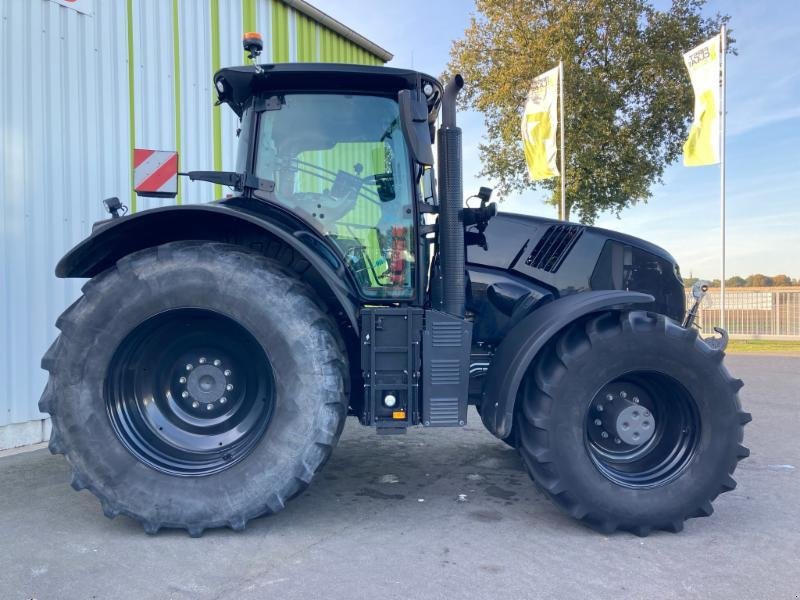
(384, 520)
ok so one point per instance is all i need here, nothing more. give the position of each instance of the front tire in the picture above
(195, 385)
(628, 421)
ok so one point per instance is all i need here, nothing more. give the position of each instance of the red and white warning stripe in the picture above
(155, 172)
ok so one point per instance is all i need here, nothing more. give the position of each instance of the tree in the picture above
(758, 280)
(628, 99)
(781, 280)
(735, 281)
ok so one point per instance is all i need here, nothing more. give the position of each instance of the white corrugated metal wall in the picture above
(68, 98)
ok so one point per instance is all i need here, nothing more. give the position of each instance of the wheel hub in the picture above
(206, 384)
(634, 425)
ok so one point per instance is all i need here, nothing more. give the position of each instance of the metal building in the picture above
(86, 81)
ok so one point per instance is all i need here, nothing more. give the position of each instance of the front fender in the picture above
(526, 339)
(116, 238)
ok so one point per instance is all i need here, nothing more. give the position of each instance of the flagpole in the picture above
(563, 167)
(723, 43)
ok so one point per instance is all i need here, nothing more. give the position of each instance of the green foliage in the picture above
(627, 94)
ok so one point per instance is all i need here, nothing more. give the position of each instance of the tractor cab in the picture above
(334, 149)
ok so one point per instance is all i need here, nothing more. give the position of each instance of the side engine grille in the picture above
(553, 247)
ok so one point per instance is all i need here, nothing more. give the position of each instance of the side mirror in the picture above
(155, 173)
(414, 122)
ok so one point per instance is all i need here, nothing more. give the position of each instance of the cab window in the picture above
(340, 162)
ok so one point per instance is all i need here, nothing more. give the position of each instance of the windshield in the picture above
(341, 163)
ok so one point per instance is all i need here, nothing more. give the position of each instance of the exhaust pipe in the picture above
(451, 197)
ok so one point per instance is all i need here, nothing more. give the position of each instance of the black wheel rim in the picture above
(642, 429)
(190, 392)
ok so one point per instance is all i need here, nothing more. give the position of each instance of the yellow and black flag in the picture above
(704, 63)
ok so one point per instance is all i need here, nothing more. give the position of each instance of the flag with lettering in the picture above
(704, 62)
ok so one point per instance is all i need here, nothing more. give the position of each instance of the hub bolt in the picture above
(195, 404)
(604, 434)
(610, 398)
(598, 422)
(223, 400)
(617, 440)
(623, 394)
(189, 367)
(636, 400)
(599, 408)
(229, 387)
(184, 394)
(227, 372)
(202, 360)
(182, 380)
(209, 406)
(217, 362)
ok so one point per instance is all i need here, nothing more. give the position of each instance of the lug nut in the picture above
(195, 404)
(189, 367)
(229, 387)
(623, 394)
(598, 422)
(209, 406)
(604, 434)
(227, 372)
(217, 362)
(223, 400)
(202, 360)
(182, 380)
(617, 440)
(184, 394)
(599, 408)
(610, 398)
(636, 400)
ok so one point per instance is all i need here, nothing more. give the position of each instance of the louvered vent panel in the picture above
(444, 412)
(446, 334)
(553, 247)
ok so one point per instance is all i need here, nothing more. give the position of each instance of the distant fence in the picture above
(752, 313)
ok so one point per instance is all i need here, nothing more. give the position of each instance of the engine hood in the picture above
(571, 258)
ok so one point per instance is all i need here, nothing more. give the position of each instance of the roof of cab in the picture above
(236, 85)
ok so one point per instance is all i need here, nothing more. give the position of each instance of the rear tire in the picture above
(212, 449)
(670, 471)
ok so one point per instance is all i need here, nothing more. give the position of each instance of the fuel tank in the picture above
(553, 258)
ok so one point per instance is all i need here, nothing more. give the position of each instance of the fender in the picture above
(115, 238)
(523, 342)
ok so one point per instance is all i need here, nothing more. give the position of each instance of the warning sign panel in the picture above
(155, 172)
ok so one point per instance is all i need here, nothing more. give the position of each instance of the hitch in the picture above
(699, 291)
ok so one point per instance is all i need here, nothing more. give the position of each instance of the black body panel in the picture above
(568, 258)
(239, 84)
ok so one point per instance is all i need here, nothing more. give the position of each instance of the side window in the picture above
(340, 162)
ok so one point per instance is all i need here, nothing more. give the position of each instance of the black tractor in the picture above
(205, 374)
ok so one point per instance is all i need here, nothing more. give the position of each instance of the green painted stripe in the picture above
(216, 116)
(131, 109)
(306, 39)
(176, 57)
(280, 32)
(249, 21)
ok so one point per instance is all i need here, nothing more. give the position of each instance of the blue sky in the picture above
(763, 141)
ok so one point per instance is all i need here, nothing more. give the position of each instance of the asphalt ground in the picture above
(432, 514)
